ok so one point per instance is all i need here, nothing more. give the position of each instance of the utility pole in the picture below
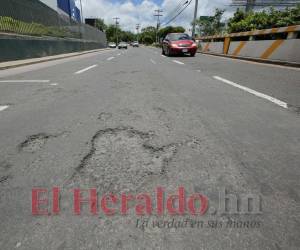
(137, 27)
(195, 18)
(117, 22)
(158, 15)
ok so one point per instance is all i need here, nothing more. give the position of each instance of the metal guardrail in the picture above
(32, 17)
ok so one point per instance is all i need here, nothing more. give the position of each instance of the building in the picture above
(67, 7)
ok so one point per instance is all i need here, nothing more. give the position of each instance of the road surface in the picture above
(131, 121)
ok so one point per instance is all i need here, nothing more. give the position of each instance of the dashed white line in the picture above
(199, 70)
(3, 107)
(256, 93)
(178, 62)
(53, 84)
(110, 58)
(86, 69)
(151, 60)
(24, 81)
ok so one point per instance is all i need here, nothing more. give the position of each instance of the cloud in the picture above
(131, 13)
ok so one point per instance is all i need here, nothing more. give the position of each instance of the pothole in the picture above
(36, 142)
(122, 159)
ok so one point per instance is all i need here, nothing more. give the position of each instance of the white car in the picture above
(112, 45)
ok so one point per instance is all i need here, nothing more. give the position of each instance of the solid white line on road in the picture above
(110, 58)
(251, 91)
(151, 60)
(178, 62)
(54, 84)
(24, 81)
(3, 107)
(86, 69)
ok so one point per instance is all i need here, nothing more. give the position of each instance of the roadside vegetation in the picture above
(10, 25)
(242, 21)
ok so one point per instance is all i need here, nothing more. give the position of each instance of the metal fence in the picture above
(32, 17)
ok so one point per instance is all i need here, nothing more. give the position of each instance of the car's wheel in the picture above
(168, 52)
(163, 52)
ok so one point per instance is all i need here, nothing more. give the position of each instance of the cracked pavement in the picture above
(129, 125)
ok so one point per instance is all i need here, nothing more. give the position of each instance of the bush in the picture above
(273, 18)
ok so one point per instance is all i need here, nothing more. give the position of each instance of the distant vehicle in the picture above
(122, 45)
(178, 43)
(112, 45)
(135, 44)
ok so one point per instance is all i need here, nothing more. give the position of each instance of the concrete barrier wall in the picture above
(19, 47)
(214, 47)
(283, 50)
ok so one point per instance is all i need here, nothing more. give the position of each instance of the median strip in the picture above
(86, 69)
(251, 91)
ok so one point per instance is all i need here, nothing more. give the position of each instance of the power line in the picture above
(176, 9)
(186, 5)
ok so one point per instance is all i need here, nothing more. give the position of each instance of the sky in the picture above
(132, 12)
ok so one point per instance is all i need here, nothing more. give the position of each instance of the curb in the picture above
(283, 63)
(48, 59)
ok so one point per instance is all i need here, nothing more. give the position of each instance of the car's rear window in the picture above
(179, 36)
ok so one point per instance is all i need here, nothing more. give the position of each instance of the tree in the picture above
(272, 18)
(170, 29)
(210, 25)
(149, 32)
(100, 24)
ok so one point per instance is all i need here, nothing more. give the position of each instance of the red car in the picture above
(178, 43)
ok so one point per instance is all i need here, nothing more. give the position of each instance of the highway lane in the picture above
(278, 81)
(135, 121)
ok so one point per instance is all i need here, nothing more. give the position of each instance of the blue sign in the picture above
(77, 15)
(69, 7)
(64, 5)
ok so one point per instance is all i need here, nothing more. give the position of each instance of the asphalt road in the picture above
(132, 121)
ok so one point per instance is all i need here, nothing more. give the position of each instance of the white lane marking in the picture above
(119, 54)
(163, 55)
(199, 70)
(110, 58)
(54, 84)
(3, 107)
(178, 62)
(151, 60)
(24, 81)
(86, 69)
(251, 91)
